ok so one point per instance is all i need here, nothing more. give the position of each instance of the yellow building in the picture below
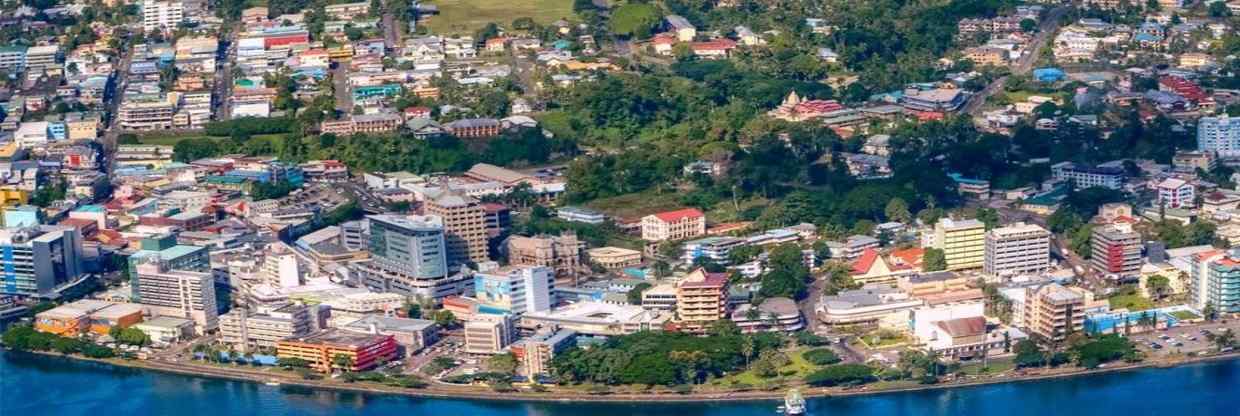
(963, 242)
(701, 299)
(12, 196)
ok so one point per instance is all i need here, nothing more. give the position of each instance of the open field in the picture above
(637, 205)
(466, 16)
(1132, 302)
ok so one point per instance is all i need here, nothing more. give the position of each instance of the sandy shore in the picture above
(441, 391)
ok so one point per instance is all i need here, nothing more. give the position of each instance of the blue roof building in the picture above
(1048, 74)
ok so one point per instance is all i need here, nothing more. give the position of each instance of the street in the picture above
(1046, 29)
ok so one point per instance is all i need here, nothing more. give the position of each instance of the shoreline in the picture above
(439, 391)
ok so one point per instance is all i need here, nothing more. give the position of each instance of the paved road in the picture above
(1023, 65)
(343, 93)
(113, 130)
(222, 90)
(391, 31)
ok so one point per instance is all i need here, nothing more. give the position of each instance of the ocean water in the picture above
(33, 385)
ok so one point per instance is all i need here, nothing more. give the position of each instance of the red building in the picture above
(323, 349)
(285, 39)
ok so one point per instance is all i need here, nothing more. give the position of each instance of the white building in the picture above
(1176, 193)
(1016, 249)
(515, 290)
(162, 15)
(1219, 134)
(488, 334)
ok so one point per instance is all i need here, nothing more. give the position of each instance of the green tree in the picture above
(841, 375)
(821, 356)
(502, 363)
(445, 319)
(343, 361)
(934, 260)
(634, 295)
(897, 210)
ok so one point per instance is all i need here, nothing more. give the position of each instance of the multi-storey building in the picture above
(37, 261)
(12, 58)
(514, 290)
(1215, 281)
(1054, 311)
(39, 58)
(535, 353)
(561, 253)
(179, 293)
(146, 114)
(267, 325)
(1219, 134)
(464, 225)
(162, 15)
(701, 299)
(488, 334)
(1017, 249)
(1082, 176)
(1176, 193)
(963, 242)
(674, 225)
(713, 249)
(408, 257)
(321, 349)
(1115, 249)
(614, 258)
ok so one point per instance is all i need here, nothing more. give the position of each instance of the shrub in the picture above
(841, 375)
(821, 356)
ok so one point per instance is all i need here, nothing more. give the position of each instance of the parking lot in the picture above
(1183, 339)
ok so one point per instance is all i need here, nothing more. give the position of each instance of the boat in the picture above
(794, 403)
(272, 383)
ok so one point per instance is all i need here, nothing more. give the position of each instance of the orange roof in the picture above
(714, 45)
(909, 257)
(677, 215)
(865, 262)
(1207, 254)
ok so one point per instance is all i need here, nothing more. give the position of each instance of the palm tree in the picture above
(747, 347)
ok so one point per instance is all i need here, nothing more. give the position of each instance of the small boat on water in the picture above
(272, 383)
(794, 403)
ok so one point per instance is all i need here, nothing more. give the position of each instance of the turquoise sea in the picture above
(37, 385)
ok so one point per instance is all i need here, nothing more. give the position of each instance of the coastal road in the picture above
(1046, 29)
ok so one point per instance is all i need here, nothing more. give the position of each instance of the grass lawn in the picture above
(797, 369)
(637, 205)
(1185, 315)
(883, 339)
(993, 366)
(1131, 302)
(466, 16)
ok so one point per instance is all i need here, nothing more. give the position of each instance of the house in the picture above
(684, 31)
(662, 43)
(713, 49)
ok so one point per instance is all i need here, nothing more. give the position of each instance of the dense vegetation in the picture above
(660, 358)
(25, 338)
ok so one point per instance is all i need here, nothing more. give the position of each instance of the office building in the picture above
(1082, 176)
(178, 293)
(773, 315)
(1115, 250)
(1219, 134)
(408, 257)
(488, 334)
(265, 326)
(464, 225)
(614, 258)
(598, 318)
(165, 330)
(147, 114)
(561, 253)
(534, 354)
(1017, 249)
(963, 242)
(411, 334)
(365, 351)
(701, 299)
(514, 290)
(1054, 311)
(162, 15)
(39, 261)
(674, 225)
(711, 249)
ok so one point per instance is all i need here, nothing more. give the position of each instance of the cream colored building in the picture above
(963, 242)
(1017, 249)
(464, 224)
(614, 258)
(487, 334)
(674, 225)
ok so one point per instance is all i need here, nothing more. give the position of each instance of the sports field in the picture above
(466, 16)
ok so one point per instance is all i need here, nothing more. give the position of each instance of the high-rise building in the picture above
(1219, 134)
(1215, 281)
(963, 242)
(1017, 249)
(280, 266)
(1054, 311)
(162, 15)
(701, 299)
(408, 257)
(514, 290)
(178, 293)
(172, 255)
(38, 261)
(464, 225)
(1116, 249)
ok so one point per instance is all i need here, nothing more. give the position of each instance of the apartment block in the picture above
(146, 115)
(1017, 249)
(1115, 249)
(162, 15)
(1215, 281)
(1220, 135)
(701, 299)
(536, 352)
(963, 242)
(1054, 311)
(1176, 193)
(1082, 176)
